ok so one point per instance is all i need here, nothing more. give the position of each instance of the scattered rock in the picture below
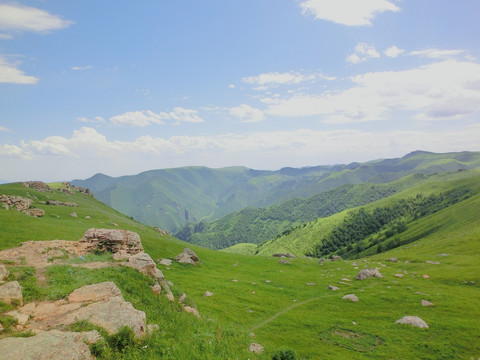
(152, 327)
(95, 292)
(22, 319)
(335, 258)
(143, 263)
(351, 297)
(235, 280)
(256, 348)
(287, 255)
(432, 262)
(427, 303)
(333, 288)
(161, 231)
(249, 311)
(399, 275)
(268, 281)
(50, 345)
(11, 292)
(37, 185)
(208, 294)
(393, 259)
(112, 240)
(74, 214)
(165, 262)
(20, 204)
(87, 217)
(443, 254)
(311, 284)
(187, 256)
(35, 212)
(425, 276)
(3, 272)
(182, 298)
(157, 289)
(367, 273)
(412, 320)
(282, 261)
(192, 310)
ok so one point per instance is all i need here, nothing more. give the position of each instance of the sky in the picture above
(120, 87)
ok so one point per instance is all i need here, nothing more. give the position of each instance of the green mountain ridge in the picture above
(170, 198)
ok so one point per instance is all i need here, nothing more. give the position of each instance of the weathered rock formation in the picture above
(50, 345)
(187, 256)
(37, 185)
(3, 272)
(368, 273)
(61, 203)
(113, 240)
(11, 292)
(287, 255)
(351, 297)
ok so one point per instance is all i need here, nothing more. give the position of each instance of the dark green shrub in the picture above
(123, 339)
(284, 355)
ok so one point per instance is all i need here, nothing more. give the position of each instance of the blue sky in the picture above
(120, 87)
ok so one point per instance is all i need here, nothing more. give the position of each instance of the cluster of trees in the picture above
(347, 238)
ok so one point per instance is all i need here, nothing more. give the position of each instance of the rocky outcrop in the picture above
(54, 345)
(368, 273)
(413, 321)
(143, 263)
(19, 203)
(113, 240)
(11, 292)
(95, 292)
(333, 288)
(187, 256)
(37, 185)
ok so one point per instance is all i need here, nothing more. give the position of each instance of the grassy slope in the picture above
(302, 240)
(308, 324)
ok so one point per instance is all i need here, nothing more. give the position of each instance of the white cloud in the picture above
(347, 12)
(88, 151)
(139, 118)
(147, 117)
(276, 78)
(393, 51)
(9, 73)
(5, 36)
(231, 86)
(438, 53)
(23, 18)
(185, 115)
(3, 128)
(361, 53)
(80, 68)
(247, 113)
(442, 90)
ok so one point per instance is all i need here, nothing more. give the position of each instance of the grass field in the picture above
(286, 306)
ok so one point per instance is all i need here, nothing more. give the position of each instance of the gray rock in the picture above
(143, 263)
(368, 273)
(53, 345)
(393, 259)
(427, 303)
(208, 294)
(182, 298)
(351, 297)
(157, 289)
(413, 321)
(287, 255)
(333, 288)
(11, 292)
(165, 262)
(187, 256)
(256, 348)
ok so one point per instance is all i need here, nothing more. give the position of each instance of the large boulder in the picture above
(143, 263)
(111, 314)
(11, 292)
(187, 256)
(95, 292)
(113, 240)
(368, 273)
(413, 321)
(53, 345)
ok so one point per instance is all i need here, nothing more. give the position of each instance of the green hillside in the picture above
(286, 306)
(170, 198)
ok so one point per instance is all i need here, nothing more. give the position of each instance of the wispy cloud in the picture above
(434, 53)
(362, 52)
(438, 91)
(246, 113)
(393, 51)
(10, 73)
(3, 128)
(144, 118)
(347, 12)
(17, 18)
(96, 119)
(80, 68)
